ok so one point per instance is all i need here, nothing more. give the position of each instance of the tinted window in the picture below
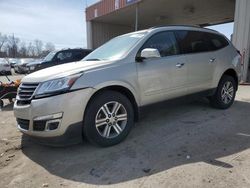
(217, 41)
(193, 41)
(78, 55)
(64, 56)
(165, 42)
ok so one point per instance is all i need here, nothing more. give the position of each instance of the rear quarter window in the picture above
(199, 41)
(217, 41)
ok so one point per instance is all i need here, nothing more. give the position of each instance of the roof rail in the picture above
(194, 26)
(173, 25)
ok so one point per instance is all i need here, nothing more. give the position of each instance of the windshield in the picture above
(50, 56)
(115, 48)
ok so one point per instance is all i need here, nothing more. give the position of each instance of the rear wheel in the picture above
(108, 119)
(225, 93)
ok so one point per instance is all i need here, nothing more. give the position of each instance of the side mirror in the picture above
(150, 53)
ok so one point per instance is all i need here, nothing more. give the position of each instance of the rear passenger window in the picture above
(78, 55)
(193, 41)
(165, 42)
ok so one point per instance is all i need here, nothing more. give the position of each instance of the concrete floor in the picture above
(176, 145)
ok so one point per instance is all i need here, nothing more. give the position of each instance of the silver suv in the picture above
(101, 96)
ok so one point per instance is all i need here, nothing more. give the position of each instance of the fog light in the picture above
(48, 122)
(52, 125)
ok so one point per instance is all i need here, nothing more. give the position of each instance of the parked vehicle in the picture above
(57, 58)
(5, 68)
(8, 91)
(13, 61)
(21, 66)
(102, 97)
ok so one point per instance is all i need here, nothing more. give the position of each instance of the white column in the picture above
(89, 35)
(241, 36)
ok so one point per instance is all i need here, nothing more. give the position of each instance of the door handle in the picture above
(212, 60)
(179, 65)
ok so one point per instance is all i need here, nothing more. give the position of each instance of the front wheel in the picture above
(225, 93)
(108, 119)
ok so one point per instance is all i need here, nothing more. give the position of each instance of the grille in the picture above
(26, 91)
(23, 123)
(39, 125)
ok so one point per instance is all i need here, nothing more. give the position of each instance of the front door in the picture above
(164, 77)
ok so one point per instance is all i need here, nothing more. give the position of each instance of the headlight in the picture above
(56, 86)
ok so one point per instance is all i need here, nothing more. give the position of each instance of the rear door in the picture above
(79, 55)
(201, 60)
(164, 77)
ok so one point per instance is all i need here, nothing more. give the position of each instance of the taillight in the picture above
(241, 57)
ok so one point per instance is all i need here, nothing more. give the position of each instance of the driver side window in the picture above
(60, 56)
(164, 42)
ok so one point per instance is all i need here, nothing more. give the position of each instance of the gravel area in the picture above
(187, 144)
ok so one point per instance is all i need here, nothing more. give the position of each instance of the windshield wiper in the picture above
(93, 60)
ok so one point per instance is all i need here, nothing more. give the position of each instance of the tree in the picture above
(49, 47)
(38, 47)
(23, 51)
(12, 46)
(31, 50)
(3, 40)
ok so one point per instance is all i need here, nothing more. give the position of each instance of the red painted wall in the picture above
(105, 7)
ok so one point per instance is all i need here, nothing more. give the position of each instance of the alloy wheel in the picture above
(227, 92)
(111, 119)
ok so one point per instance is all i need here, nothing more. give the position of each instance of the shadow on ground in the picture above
(7, 107)
(168, 136)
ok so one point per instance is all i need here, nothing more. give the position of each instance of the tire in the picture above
(106, 133)
(9, 73)
(225, 93)
(1, 104)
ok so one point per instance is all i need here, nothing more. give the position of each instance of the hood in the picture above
(35, 63)
(24, 62)
(63, 70)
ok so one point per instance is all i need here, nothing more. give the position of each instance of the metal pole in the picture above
(136, 17)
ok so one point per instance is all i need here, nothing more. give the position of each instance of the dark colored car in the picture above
(57, 58)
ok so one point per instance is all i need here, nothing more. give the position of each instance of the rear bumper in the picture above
(4, 69)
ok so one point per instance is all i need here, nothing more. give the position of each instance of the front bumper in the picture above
(71, 105)
(20, 69)
(31, 69)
